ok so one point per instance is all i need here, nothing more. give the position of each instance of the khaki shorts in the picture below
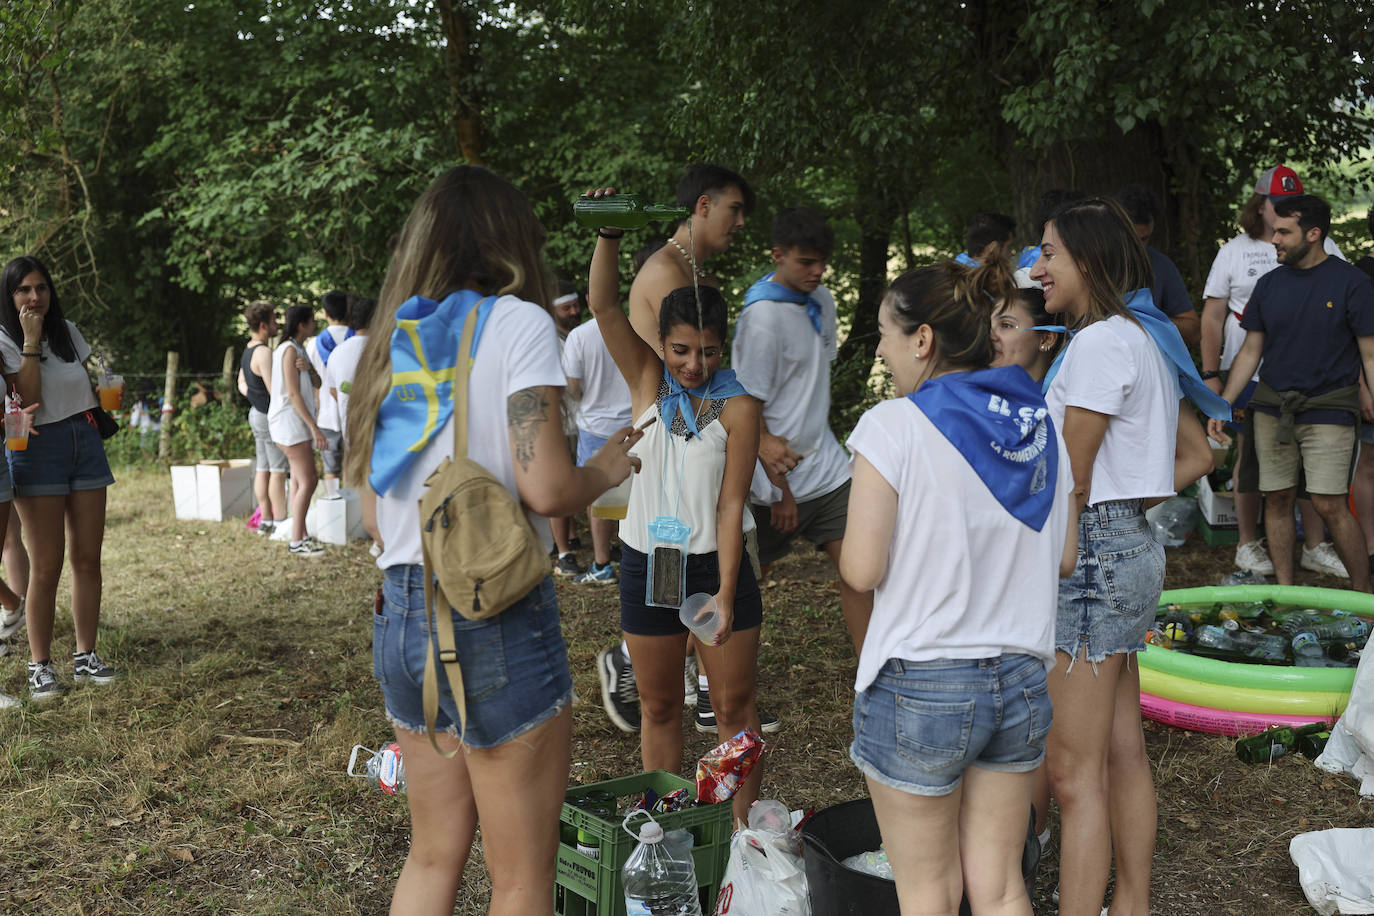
(820, 521)
(1320, 450)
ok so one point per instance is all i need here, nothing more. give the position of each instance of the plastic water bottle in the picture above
(659, 878)
(384, 768)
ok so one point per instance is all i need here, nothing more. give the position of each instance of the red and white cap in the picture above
(1280, 181)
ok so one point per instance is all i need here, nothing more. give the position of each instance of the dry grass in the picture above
(210, 779)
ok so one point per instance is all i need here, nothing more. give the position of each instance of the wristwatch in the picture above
(1209, 373)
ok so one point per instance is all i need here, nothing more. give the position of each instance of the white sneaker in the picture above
(12, 620)
(1253, 556)
(1323, 559)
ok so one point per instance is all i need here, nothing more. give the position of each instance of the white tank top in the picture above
(279, 404)
(664, 459)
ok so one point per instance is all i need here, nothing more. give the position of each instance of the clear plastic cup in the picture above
(698, 614)
(111, 391)
(17, 427)
(615, 502)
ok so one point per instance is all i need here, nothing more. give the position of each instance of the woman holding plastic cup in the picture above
(684, 528)
(959, 523)
(60, 479)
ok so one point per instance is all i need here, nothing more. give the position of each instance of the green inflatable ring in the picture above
(1242, 699)
(1285, 678)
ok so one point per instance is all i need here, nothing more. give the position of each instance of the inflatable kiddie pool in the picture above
(1234, 698)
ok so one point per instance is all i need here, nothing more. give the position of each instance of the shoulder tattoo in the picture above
(525, 411)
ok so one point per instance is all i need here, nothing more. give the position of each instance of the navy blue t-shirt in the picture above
(1170, 292)
(1310, 319)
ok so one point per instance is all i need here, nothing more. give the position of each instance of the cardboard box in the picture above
(336, 521)
(1218, 509)
(184, 497)
(214, 490)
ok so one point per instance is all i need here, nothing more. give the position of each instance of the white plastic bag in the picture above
(762, 878)
(1333, 869)
(1351, 747)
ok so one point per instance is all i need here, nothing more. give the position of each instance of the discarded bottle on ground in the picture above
(623, 211)
(1267, 745)
(1312, 739)
(659, 878)
(1173, 519)
(384, 768)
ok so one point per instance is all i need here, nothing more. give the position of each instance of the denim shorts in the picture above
(515, 665)
(1109, 602)
(62, 457)
(270, 457)
(587, 446)
(703, 575)
(919, 725)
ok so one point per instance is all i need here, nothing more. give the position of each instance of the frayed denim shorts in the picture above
(1108, 604)
(515, 665)
(920, 725)
(62, 457)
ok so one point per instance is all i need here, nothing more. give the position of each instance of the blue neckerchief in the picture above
(325, 344)
(424, 357)
(999, 422)
(766, 288)
(964, 259)
(1170, 343)
(722, 384)
(1028, 256)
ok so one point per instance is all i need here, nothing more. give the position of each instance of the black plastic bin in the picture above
(848, 829)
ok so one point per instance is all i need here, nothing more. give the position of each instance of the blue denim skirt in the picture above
(515, 665)
(920, 725)
(1108, 604)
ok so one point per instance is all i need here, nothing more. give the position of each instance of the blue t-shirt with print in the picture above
(1169, 290)
(1311, 319)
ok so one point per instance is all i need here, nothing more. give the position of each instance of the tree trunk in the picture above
(458, 64)
(849, 386)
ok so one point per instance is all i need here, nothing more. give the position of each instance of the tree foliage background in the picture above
(174, 161)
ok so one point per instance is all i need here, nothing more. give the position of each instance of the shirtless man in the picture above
(720, 200)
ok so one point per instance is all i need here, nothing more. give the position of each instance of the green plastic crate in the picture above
(592, 887)
(1216, 537)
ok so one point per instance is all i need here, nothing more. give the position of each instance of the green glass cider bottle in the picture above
(623, 211)
(1267, 746)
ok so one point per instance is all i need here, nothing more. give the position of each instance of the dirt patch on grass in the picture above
(211, 777)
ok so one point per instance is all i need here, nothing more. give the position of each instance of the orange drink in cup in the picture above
(111, 391)
(17, 431)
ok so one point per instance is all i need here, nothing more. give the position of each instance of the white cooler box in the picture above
(213, 490)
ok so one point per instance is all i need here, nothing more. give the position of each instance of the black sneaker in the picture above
(43, 683)
(619, 692)
(706, 716)
(87, 666)
(567, 565)
(307, 547)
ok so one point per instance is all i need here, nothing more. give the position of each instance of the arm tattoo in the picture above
(525, 411)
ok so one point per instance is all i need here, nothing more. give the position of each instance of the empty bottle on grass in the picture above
(659, 878)
(384, 768)
(1268, 745)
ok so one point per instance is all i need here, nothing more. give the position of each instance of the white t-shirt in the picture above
(1235, 270)
(328, 416)
(605, 405)
(339, 373)
(965, 578)
(781, 360)
(1114, 367)
(64, 388)
(518, 350)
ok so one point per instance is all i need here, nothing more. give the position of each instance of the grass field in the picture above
(210, 779)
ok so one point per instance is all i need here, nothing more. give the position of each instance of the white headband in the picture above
(564, 300)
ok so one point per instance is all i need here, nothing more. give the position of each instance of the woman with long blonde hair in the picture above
(473, 242)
